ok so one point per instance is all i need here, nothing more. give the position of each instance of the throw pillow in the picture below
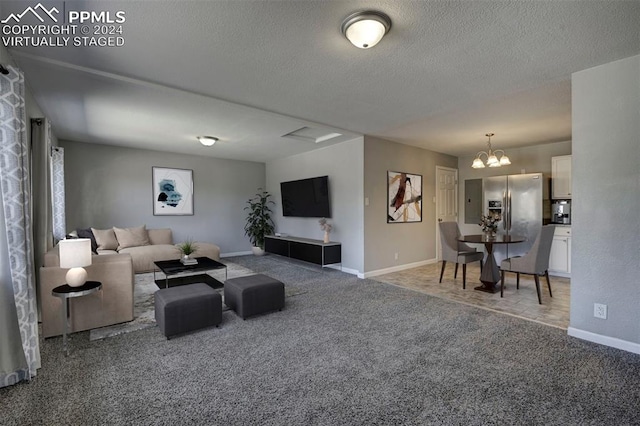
(87, 233)
(105, 238)
(160, 236)
(131, 237)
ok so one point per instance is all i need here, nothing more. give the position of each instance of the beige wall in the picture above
(414, 242)
(531, 159)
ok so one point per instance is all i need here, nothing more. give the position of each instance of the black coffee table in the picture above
(176, 273)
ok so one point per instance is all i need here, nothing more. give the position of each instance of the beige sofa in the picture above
(159, 246)
(144, 245)
(114, 266)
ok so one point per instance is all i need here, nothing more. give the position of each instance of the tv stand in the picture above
(305, 249)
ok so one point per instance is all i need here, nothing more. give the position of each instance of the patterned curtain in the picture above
(16, 201)
(57, 190)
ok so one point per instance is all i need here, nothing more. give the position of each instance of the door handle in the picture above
(439, 220)
(504, 210)
(509, 201)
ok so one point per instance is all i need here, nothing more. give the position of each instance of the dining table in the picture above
(490, 272)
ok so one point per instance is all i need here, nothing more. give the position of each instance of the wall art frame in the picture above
(404, 197)
(172, 191)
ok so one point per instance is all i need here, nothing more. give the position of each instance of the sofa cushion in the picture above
(131, 237)
(87, 233)
(105, 238)
(144, 256)
(160, 236)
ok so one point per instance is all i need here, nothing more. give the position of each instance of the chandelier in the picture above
(492, 159)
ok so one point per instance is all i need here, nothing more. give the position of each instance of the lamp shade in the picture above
(477, 163)
(75, 253)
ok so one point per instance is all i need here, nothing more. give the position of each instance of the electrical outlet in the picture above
(600, 310)
(395, 256)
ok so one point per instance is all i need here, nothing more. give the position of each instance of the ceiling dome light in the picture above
(207, 140)
(366, 29)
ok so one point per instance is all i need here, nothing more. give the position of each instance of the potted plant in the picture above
(259, 221)
(187, 249)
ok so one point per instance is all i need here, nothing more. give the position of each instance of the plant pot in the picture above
(257, 251)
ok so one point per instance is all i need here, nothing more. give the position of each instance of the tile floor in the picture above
(522, 303)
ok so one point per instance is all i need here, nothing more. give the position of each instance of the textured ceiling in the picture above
(249, 72)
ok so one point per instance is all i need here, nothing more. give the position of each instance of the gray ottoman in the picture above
(187, 308)
(253, 295)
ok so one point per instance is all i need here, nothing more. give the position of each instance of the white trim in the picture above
(604, 340)
(397, 268)
(237, 253)
(457, 208)
(560, 274)
(350, 271)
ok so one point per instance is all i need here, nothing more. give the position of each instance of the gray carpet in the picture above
(144, 307)
(348, 351)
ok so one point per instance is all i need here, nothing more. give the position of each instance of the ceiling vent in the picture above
(309, 134)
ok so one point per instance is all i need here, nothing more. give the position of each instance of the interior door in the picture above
(446, 200)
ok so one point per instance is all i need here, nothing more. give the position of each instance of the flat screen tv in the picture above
(306, 197)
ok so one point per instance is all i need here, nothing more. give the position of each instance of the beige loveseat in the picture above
(112, 305)
(114, 266)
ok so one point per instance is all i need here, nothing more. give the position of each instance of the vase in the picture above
(257, 251)
(326, 236)
(490, 234)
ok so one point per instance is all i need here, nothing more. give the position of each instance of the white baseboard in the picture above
(349, 271)
(238, 253)
(604, 340)
(397, 268)
(355, 271)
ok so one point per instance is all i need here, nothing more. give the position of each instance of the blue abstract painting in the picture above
(172, 191)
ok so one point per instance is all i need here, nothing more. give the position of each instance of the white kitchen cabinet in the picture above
(560, 257)
(561, 177)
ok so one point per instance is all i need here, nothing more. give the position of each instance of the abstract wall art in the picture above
(404, 197)
(172, 192)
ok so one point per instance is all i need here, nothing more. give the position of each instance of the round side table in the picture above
(66, 292)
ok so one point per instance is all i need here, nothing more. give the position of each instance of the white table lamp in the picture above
(75, 254)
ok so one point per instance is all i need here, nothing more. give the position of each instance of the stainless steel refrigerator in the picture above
(518, 199)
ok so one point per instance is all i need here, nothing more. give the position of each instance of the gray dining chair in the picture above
(456, 251)
(535, 262)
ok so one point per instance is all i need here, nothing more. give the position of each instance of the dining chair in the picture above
(535, 262)
(456, 251)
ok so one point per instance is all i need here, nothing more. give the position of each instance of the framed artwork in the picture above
(404, 197)
(172, 192)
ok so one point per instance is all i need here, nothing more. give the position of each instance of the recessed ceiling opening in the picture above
(309, 134)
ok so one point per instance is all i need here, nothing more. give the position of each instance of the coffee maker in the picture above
(561, 212)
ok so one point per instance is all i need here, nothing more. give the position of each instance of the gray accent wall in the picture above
(343, 163)
(110, 186)
(414, 242)
(606, 211)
